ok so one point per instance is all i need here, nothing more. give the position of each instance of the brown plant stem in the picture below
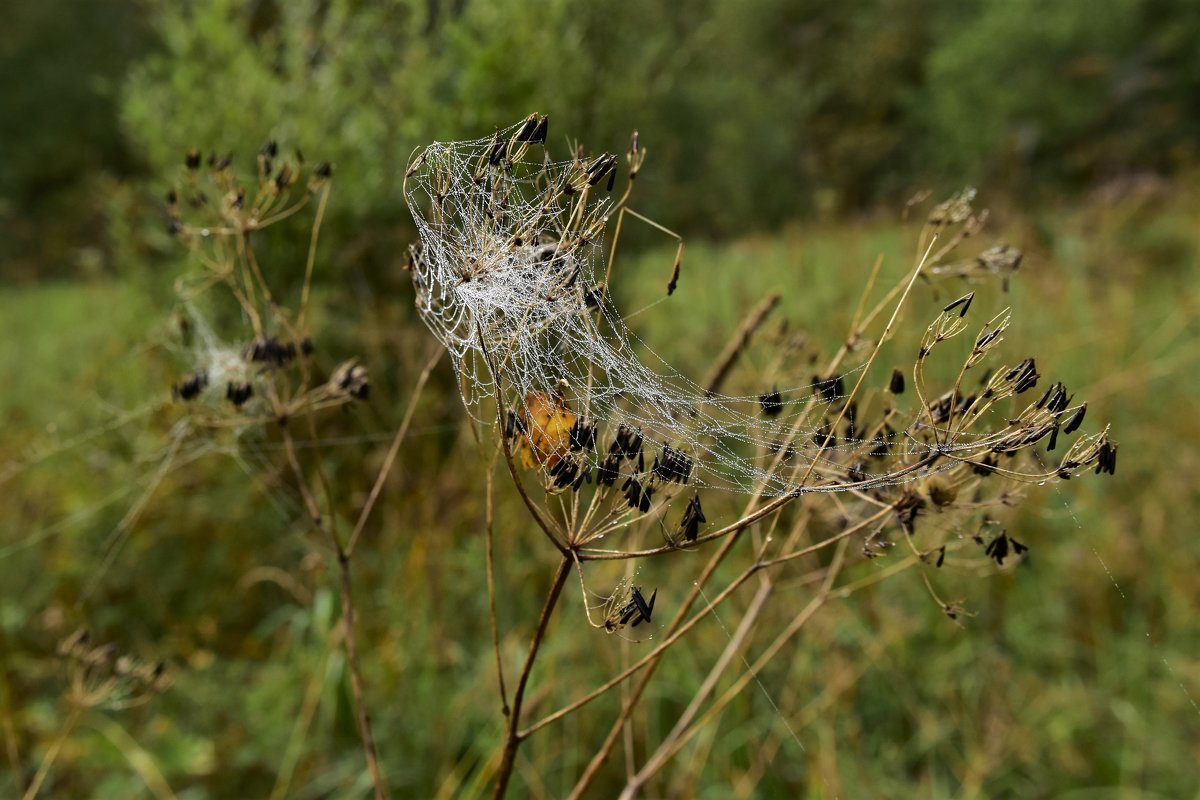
(736, 642)
(513, 735)
(312, 256)
(684, 729)
(634, 782)
(675, 631)
(356, 681)
(394, 449)
(651, 656)
(11, 746)
(52, 753)
(652, 660)
(489, 557)
(739, 341)
(347, 602)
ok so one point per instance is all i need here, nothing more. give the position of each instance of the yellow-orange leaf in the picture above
(547, 420)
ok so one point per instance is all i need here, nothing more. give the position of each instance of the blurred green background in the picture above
(783, 138)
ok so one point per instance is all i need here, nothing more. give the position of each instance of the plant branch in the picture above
(394, 450)
(489, 548)
(348, 615)
(52, 753)
(513, 735)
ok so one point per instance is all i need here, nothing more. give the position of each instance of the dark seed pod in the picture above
(962, 304)
(632, 489)
(583, 435)
(538, 136)
(1075, 419)
(693, 518)
(191, 387)
(498, 152)
(997, 549)
(771, 402)
(527, 128)
(628, 443)
(830, 388)
(675, 465)
(238, 393)
(609, 470)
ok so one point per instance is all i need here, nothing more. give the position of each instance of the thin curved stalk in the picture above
(513, 736)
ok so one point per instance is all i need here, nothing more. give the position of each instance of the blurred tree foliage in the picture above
(1047, 94)
(61, 66)
(755, 111)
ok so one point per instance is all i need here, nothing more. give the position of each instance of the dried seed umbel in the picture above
(595, 297)
(637, 496)
(514, 425)
(1000, 260)
(1024, 376)
(503, 281)
(525, 133)
(693, 518)
(102, 677)
(351, 379)
(633, 612)
(634, 156)
(941, 491)
(998, 548)
(270, 351)
(675, 465)
(609, 470)
(570, 471)
(628, 442)
(954, 211)
(907, 508)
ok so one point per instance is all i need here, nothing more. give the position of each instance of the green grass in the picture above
(1077, 673)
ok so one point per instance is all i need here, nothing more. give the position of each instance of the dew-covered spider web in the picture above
(510, 277)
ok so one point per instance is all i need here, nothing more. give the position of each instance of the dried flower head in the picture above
(101, 676)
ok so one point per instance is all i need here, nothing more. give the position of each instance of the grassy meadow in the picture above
(1075, 676)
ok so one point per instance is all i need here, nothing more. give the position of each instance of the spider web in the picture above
(509, 276)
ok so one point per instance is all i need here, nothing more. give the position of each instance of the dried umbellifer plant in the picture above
(99, 678)
(270, 384)
(609, 452)
(250, 375)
